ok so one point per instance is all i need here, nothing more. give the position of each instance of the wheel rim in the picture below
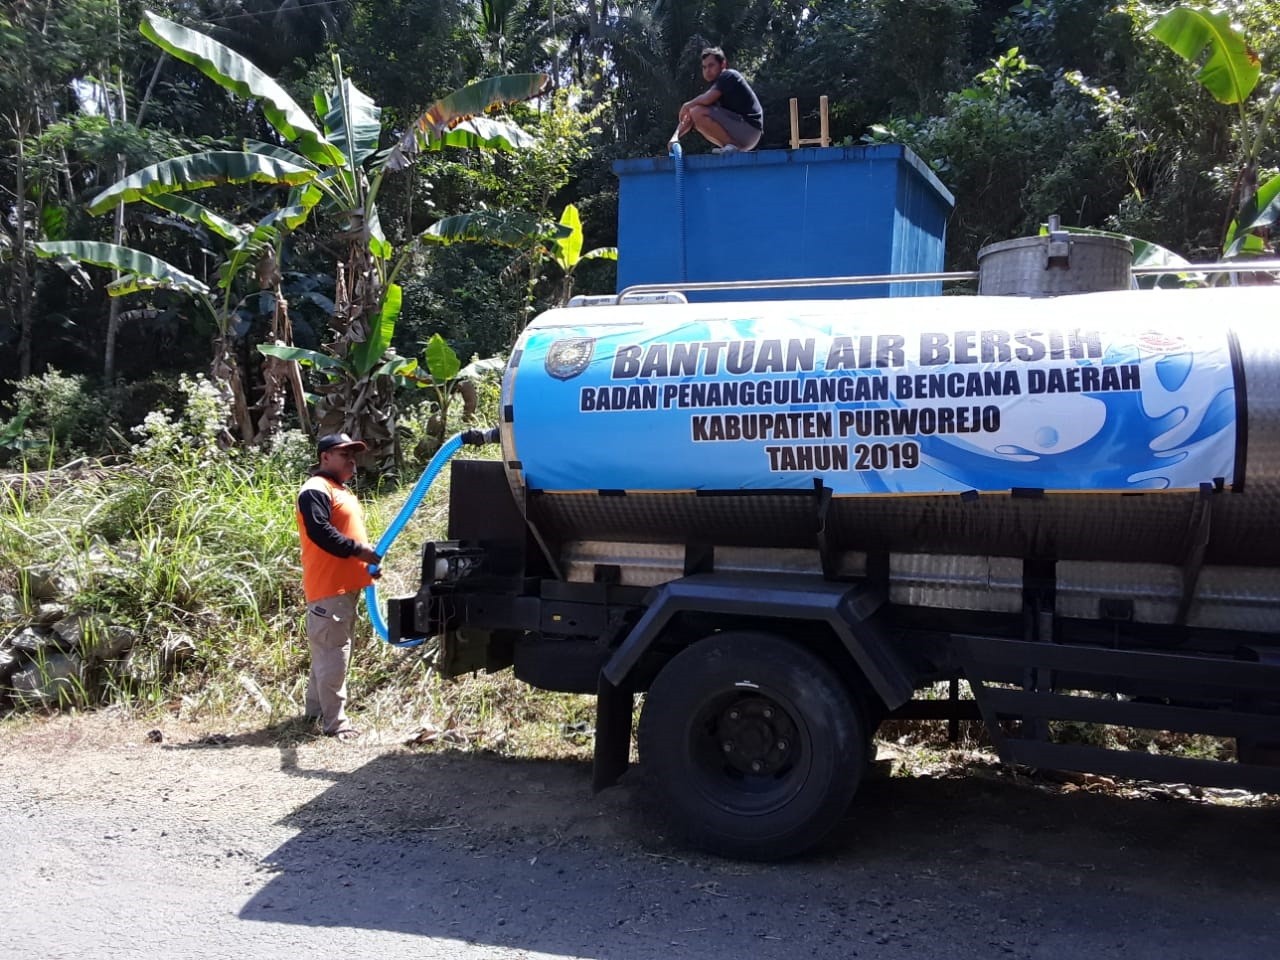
(750, 751)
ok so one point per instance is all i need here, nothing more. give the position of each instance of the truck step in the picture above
(1137, 765)
(1213, 695)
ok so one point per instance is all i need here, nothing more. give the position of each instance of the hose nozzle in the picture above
(479, 438)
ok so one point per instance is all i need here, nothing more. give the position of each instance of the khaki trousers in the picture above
(330, 626)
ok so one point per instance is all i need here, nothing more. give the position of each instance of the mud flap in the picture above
(612, 755)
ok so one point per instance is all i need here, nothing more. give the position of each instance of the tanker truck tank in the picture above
(780, 521)
(1124, 435)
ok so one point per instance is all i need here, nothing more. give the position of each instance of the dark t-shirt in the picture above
(737, 95)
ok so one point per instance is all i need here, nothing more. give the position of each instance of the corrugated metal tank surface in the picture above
(774, 214)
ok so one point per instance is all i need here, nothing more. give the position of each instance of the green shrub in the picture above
(420, 411)
(53, 416)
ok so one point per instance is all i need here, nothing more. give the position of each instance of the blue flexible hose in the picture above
(678, 155)
(443, 456)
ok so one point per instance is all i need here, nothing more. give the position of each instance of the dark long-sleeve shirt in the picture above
(316, 508)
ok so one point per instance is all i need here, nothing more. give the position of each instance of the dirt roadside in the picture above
(118, 847)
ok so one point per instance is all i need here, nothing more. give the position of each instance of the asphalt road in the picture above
(117, 847)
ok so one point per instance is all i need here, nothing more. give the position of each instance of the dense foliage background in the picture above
(147, 545)
(1066, 106)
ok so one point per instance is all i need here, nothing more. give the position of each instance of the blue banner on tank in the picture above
(776, 396)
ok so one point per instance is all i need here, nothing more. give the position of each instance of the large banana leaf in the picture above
(199, 170)
(568, 250)
(248, 250)
(436, 126)
(442, 362)
(379, 245)
(1231, 70)
(233, 72)
(138, 265)
(365, 356)
(487, 133)
(280, 153)
(352, 121)
(295, 212)
(197, 213)
(505, 228)
(321, 361)
(1266, 207)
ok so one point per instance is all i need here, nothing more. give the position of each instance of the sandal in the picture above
(345, 734)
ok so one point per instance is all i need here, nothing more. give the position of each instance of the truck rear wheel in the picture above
(755, 744)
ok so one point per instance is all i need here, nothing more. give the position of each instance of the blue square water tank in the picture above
(772, 214)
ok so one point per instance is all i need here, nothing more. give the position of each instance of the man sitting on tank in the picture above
(728, 114)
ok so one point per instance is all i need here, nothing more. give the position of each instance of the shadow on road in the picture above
(521, 855)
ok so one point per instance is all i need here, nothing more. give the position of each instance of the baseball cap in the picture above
(339, 441)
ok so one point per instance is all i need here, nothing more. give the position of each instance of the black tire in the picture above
(753, 744)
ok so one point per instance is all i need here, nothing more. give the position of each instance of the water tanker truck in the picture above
(780, 521)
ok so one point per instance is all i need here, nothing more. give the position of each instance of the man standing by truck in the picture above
(728, 114)
(335, 555)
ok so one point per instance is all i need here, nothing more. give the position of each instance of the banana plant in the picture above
(333, 166)
(251, 247)
(365, 363)
(366, 357)
(566, 252)
(439, 369)
(562, 245)
(445, 376)
(1230, 70)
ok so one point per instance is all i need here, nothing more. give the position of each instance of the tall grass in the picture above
(195, 549)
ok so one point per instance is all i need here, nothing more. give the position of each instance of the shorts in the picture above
(742, 134)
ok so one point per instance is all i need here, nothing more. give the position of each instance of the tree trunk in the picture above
(117, 228)
(279, 376)
(113, 309)
(225, 375)
(22, 293)
(22, 305)
(363, 407)
(566, 290)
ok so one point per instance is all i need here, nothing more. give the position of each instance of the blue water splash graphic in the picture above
(1173, 370)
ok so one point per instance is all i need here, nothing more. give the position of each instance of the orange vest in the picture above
(323, 574)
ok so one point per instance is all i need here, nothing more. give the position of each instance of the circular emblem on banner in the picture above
(568, 358)
(1158, 342)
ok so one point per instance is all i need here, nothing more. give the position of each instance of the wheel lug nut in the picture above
(768, 713)
(782, 744)
(727, 746)
(734, 714)
(755, 766)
